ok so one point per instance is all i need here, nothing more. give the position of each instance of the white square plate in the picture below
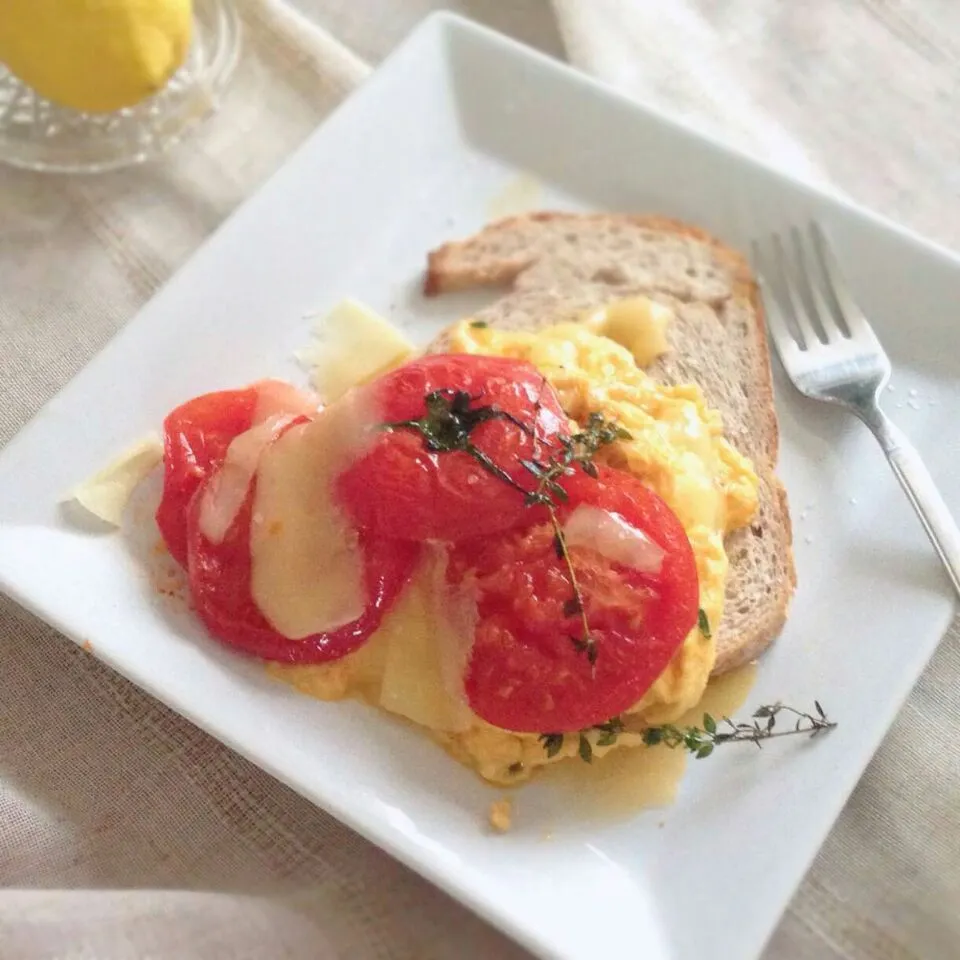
(411, 160)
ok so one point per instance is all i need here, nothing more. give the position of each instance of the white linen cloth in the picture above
(127, 833)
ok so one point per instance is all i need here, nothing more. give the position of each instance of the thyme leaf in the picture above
(552, 743)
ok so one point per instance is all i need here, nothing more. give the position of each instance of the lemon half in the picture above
(95, 55)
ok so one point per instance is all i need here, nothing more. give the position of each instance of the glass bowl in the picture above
(36, 134)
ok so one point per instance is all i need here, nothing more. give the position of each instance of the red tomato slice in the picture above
(196, 436)
(524, 672)
(400, 489)
(220, 589)
(195, 439)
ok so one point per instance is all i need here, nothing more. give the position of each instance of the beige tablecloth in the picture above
(127, 833)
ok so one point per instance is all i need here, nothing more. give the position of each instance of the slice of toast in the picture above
(556, 265)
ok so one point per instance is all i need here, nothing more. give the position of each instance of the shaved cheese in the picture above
(108, 491)
(614, 538)
(278, 404)
(307, 566)
(352, 345)
(457, 611)
(425, 663)
(227, 489)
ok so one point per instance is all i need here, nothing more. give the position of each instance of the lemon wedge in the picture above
(95, 55)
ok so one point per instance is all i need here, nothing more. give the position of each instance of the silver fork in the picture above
(831, 353)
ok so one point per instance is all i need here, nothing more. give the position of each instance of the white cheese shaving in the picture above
(611, 535)
(107, 492)
(227, 489)
(351, 345)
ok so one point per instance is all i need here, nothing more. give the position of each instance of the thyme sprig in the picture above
(701, 741)
(450, 420)
(577, 450)
(452, 416)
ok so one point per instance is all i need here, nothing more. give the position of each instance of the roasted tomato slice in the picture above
(196, 436)
(526, 671)
(401, 488)
(220, 575)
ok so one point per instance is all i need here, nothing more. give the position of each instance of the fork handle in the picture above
(922, 492)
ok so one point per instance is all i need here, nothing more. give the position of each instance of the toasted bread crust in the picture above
(504, 251)
(446, 271)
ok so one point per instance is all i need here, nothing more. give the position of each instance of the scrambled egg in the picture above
(676, 447)
(500, 816)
